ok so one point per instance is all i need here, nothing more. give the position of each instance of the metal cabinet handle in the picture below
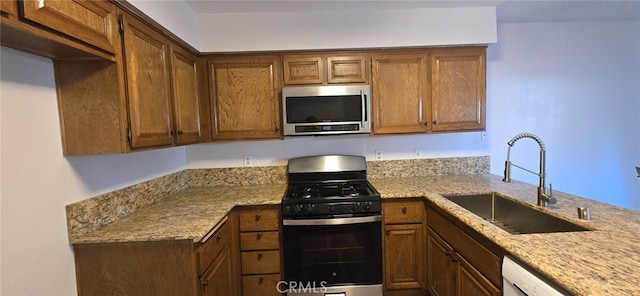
(404, 210)
(259, 255)
(218, 237)
(205, 283)
(426, 123)
(448, 253)
(454, 259)
(277, 129)
(259, 236)
(435, 122)
(260, 280)
(258, 217)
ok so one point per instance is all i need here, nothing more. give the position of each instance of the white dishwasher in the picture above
(518, 281)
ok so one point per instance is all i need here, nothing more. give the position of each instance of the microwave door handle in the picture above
(364, 108)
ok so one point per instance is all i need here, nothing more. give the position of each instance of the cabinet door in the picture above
(347, 69)
(439, 266)
(399, 93)
(92, 22)
(403, 256)
(458, 90)
(302, 69)
(218, 281)
(148, 85)
(469, 281)
(186, 101)
(245, 97)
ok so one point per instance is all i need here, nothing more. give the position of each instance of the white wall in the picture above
(346, 29)
(175, 15)
(37, 181)
(577, 86)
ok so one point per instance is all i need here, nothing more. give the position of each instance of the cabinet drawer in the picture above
(260, 262)
(261, 285)
(263, 240)
(212, 246)
(259, 220)
(403, 212)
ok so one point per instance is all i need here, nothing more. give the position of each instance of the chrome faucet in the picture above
(543, 197)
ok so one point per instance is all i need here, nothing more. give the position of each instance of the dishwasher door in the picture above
(518, 281)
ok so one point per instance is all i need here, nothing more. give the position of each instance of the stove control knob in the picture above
(355, 207)
(297, 209)
(307, 208)
(287, 209)
(367, 206)
(331, 208)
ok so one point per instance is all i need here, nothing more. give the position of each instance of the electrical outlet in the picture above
(378, 154)
(417, 153)
(247, 160)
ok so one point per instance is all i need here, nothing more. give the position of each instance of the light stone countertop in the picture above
(605, 261)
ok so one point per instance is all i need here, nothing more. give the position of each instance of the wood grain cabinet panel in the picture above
(325, 68)
(218, 281)
(186, 98)
(92, 22)
(459, 264)
(458, 89)
(347, 69)
(261, 285)
(8, 7)
(303, 69)
(399, 96)
(148, 85)
(404, 251)
(245, 97)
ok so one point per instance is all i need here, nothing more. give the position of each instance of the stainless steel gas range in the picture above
(332, 236)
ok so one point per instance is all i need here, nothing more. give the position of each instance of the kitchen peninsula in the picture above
(603, 261)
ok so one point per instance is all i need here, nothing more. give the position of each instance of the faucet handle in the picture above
(552, 200)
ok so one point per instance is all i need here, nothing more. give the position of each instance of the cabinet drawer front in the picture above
(403, 212)
(212, 246)
(259, 220)
(347, 69)
(478, 255)
(268, 240)
(260, 262)
(261, 285)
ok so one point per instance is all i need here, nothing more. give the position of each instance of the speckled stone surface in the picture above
(605, 261)
(189, 214)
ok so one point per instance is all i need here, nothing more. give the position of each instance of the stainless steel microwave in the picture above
(326, 110)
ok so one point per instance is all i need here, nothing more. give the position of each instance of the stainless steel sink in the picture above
(513, 216)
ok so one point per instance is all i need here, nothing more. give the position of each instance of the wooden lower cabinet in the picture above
(457, 263)
(403, 247)
(260, 250)
(218, 280)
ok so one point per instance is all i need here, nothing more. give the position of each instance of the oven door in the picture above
(334, 251)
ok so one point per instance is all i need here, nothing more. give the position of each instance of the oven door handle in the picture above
(332, 221)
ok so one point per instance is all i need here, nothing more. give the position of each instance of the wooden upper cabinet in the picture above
(325, 68)
(301, 69)
(8, 7)
(148, 84)
(92, 22)
(245, 97)
(458, 89)
(399, 92)
(186, 101)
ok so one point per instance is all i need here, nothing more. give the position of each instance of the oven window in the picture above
(336, 254)
(324, 109)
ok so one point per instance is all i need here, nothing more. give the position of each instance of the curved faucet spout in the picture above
(543, 196)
